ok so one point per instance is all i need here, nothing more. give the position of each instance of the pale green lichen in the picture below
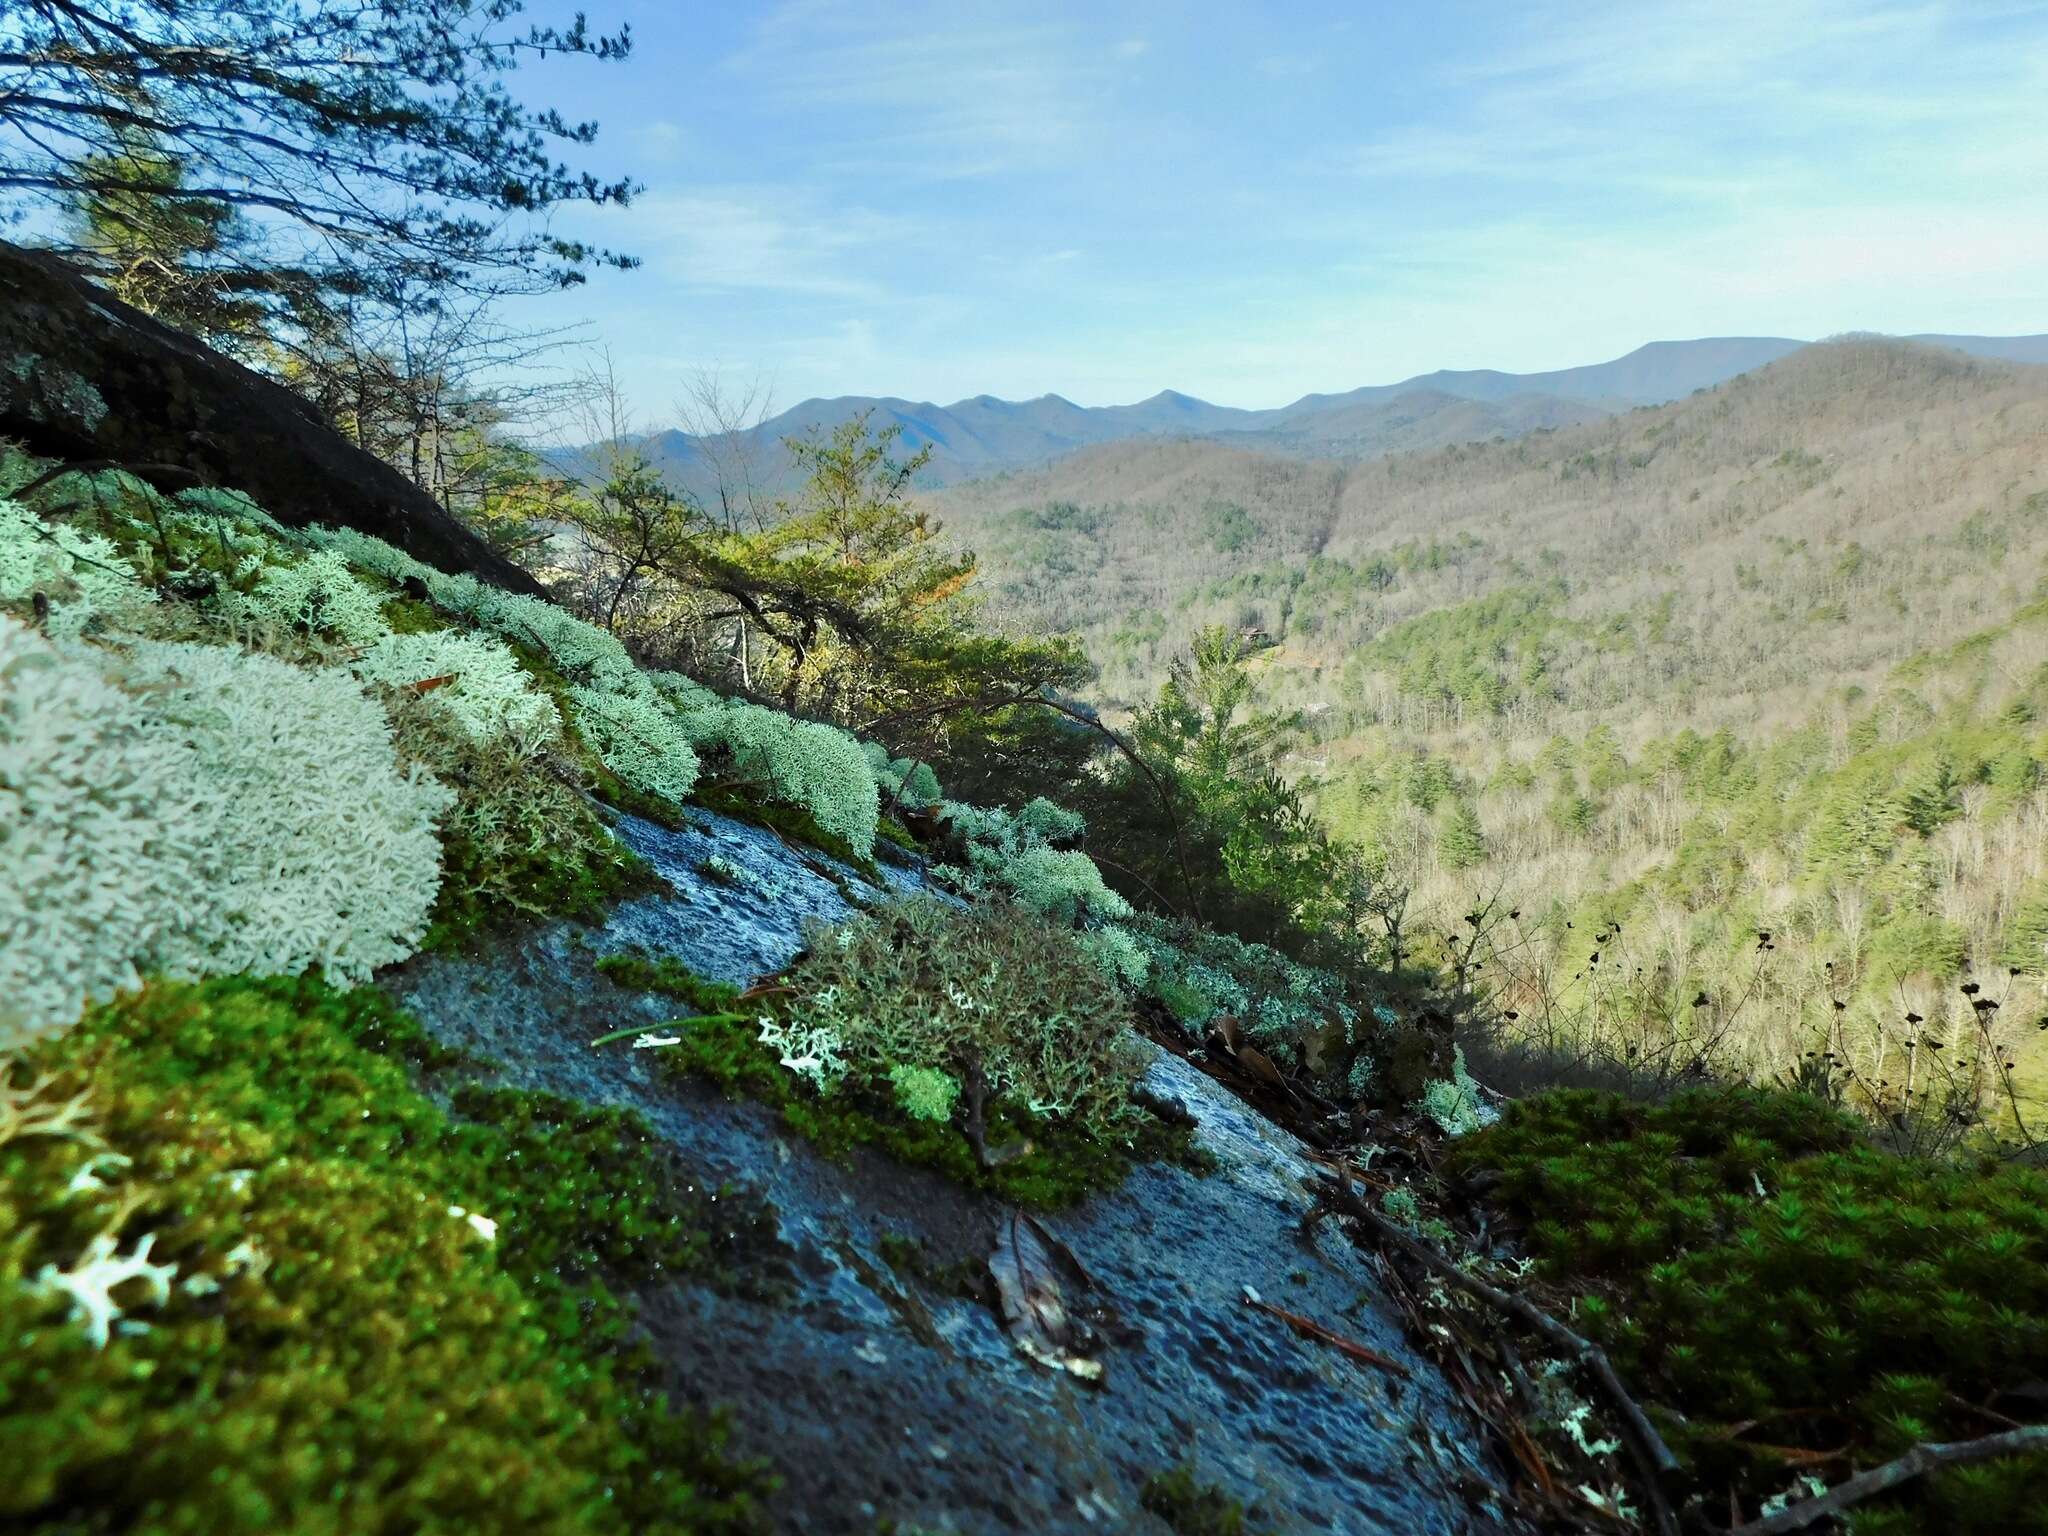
(923, 984)
(1012, 853)
(809, 1049)
(584, 652)
(638, 739)
(89, 1283)
(1200, 974)
(1119, 954)
(906, 781)
(96, 830)
(193, 810)
(317, 595)
(1454, 1103)
(84, 579)
(815, 767)
(219, 508)
(474, 680)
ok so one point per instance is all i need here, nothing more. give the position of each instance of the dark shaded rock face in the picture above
(84, 376)
(885, 1394)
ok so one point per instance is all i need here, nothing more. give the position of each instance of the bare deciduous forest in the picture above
(1771, 660)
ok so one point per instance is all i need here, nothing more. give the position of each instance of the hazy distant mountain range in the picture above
(983, 436)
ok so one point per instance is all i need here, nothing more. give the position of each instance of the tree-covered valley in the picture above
(1766, 660)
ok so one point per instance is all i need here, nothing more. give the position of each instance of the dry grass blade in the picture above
(1310, 1328)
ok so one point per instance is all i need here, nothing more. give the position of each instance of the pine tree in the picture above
(1462, 842)
(1931, 796)
(378, 147)
(2026, 934)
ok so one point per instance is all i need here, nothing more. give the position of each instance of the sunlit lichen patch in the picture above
(771, 1051)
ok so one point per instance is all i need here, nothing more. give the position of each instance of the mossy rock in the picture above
(339, 1346)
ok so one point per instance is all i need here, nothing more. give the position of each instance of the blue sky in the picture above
(1251, 201)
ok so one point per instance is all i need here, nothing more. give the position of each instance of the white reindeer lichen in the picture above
(91, 1282)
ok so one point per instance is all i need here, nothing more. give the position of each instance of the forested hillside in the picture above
(1769, 660)
(1466, 957)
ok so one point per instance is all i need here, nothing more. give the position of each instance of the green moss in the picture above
(791, 821)
(618, 794)
(669, 977)
(1766, 1278)
(341, 1349)
(1064, 1165)
(521, 843)
(889, 829)
(410, 615)
(1192, 1507)
(486, 889)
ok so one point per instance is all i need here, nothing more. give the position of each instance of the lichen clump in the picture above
(477, 682)
(800, 762)
(82, 578)
(1019, 854)
(1014, 1000)
(922, 984)
(315, 595)
(192, 810)
(639, 739)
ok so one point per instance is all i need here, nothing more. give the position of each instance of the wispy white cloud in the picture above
(660, 139)
(1785, 101)
(945, 94)
(769, 238)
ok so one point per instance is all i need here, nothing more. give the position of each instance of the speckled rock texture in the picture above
(887, 1395)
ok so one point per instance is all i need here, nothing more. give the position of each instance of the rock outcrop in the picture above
(84, 376)
(882, 1393)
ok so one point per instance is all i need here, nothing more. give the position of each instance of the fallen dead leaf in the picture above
(1038, 1288)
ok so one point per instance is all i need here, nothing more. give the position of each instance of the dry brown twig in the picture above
(1917, 1462)
(1659, 1467)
